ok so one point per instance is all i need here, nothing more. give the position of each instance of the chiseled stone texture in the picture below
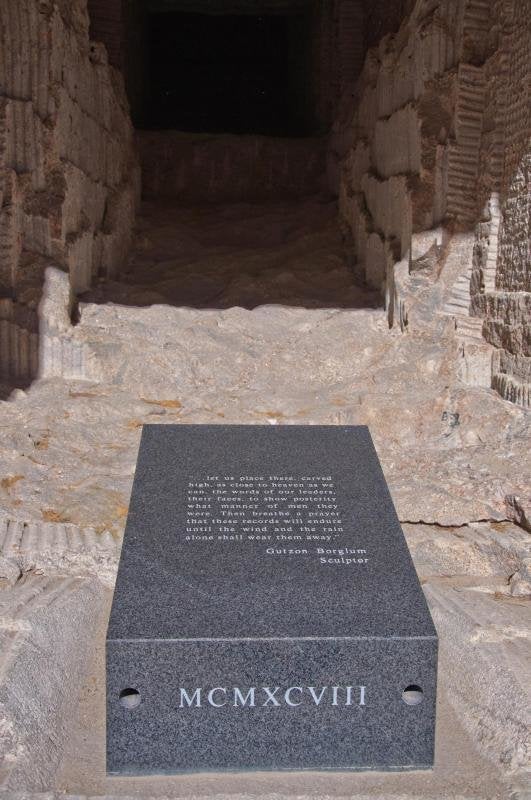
(69, 178)
(501, 280)
(438, 134)
(217, 168)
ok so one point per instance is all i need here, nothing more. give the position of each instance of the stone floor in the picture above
(249, 314)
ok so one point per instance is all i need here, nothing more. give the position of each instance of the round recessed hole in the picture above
(412, 695)
(130, 698)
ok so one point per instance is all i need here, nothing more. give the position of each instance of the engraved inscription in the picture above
(293, 516)
(274, 696)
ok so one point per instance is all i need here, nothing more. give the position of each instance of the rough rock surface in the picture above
(223, 168)
(455, 456)
(439, 135)
(69, 178)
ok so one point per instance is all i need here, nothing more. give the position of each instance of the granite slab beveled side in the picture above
(383, 733)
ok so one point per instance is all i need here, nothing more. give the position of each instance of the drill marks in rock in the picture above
(58, 546)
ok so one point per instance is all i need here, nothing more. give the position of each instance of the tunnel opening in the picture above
(241, 74)
(397, 117)
(233, 104)
(260, 67)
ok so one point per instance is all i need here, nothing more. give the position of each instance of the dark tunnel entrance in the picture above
(233, 101)
(266, 67)
(242, 74)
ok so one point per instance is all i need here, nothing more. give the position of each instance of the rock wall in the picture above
(107, 26)
(343, 51)
(343, 29)
(68, 174)
(501, 278)
(210, 168)
(438, 139)
(390, 147)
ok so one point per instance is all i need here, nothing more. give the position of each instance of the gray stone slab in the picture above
(267, 614)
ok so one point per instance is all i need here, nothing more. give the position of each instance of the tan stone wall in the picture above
(68, 174)
(501, 281)
(438, 134)
(390, 148)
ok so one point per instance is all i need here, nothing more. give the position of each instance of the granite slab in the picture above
(267, 614)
